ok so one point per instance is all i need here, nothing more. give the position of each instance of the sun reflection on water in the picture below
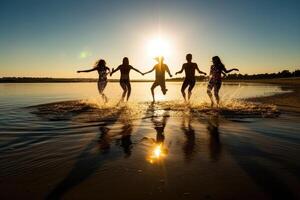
(158, 153)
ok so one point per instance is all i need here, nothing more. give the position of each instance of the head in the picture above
(125, 61)
(100, 63)
(160, 59)
(189, 57)
(216, 60)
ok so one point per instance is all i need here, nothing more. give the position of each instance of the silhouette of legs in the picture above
(162, 85)
(184, 86)
(128, 90)
(101, 87)
(126, 86)
(216, 86)
(154, 85)
(187, 83)
(210, 96)
(191, 87)
(216, 92)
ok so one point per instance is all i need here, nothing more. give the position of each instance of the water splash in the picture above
(95, 111)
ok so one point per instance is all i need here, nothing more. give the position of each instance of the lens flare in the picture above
(84, 54)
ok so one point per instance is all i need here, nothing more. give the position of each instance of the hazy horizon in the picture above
(57, 38)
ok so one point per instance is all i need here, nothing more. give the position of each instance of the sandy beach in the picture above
(289, 101)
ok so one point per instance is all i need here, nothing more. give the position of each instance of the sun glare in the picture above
(157, 154)
(159, 47)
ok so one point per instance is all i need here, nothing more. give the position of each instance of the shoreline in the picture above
(289, 81)
(286, 102)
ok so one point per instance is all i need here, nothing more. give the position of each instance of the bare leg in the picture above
(129, 90)
(124, 94)
(101, 87)
(183, 87)
(210, 96)
(123, 85)
(152, 91)
(183, 94)
(216, 92)
(104, 97)
(189, 95)
(192, 85)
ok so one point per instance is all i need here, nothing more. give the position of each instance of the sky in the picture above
(40, 38)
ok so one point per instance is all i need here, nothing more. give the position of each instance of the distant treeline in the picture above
(43, 80)
(54, 80)
(282, 74)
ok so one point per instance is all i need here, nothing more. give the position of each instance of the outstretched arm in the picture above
(168, 70)
(137, 70)
(179, 72)
(107, 69)
(89, 70)
(149, 71)
(230, 70)
(114, 70)
(200, 72)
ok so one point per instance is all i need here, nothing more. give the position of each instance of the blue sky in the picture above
(56, 38)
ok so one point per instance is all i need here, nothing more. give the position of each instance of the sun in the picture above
(159, 46)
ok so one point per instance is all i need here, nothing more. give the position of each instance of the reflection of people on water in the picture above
(102, 70)
(158, 151)
(189, 132)
(215, 147)
(104, 139)
(125, 141)
(190, 79)
(215, 81)
(159, 124)
(160, 70)
(124, 79)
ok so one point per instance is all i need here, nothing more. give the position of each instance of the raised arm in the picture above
(179, 72)
(200, 72)
(168, 70)
(89, 70)
(137, 70)
(149, 71)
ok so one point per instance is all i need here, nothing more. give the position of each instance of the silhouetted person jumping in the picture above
(215, 81)
(160, 70)
(190, 79)
(124, 79)
(102, 70)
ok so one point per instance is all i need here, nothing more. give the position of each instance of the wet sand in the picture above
(288, 102)
(78, 150)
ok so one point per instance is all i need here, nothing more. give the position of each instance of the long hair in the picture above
(217, 62)
(100, 63)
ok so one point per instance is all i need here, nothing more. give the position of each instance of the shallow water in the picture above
(80, 148)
